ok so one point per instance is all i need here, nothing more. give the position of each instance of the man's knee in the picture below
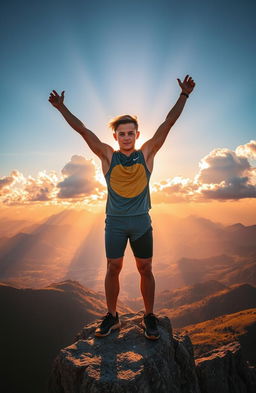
(114, 265)
(144, 265)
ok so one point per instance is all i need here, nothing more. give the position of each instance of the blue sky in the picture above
(115, 57)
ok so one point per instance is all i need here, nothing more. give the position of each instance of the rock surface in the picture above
(126, 361)
(224, 370)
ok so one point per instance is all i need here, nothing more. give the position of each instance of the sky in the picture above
(118, 57)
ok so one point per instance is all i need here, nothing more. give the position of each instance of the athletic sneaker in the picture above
(149, 323)
(108, 323)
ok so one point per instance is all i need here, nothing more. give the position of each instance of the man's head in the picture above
(125, 129)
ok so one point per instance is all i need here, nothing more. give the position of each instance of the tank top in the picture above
(128, 185)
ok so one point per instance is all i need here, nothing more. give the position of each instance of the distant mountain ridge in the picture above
(62, 247)
(222, 330)
(227, 301)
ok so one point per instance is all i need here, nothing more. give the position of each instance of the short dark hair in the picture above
(123, 119)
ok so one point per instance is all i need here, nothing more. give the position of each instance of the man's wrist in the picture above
(60, 107)
(184, 93)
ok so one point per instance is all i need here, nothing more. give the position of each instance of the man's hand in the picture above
(102, 150)
(56, 100)
(187, 85)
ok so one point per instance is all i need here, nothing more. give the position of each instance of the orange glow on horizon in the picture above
(229, 212)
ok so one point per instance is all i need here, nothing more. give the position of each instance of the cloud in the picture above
(248, 150)
(235, 188)
(23, 189)
(41, 188)
(221, 165)
(5, 181)
(79, 179)
(11, 185)
(76, 183)
(174, 190)
(223, 174)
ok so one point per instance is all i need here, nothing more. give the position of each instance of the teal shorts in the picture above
(138, 229)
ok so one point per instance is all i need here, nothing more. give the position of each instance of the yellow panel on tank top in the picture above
(128, 181)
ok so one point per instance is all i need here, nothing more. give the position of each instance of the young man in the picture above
(127, 172)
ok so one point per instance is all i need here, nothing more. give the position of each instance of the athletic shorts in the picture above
(138, 229)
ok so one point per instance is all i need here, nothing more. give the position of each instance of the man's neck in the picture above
(127, 152)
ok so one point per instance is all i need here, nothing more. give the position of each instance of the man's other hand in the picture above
(187, 85)
(55, 99)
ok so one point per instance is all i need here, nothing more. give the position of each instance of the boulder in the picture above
(126, 361)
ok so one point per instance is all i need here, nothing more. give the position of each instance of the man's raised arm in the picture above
(153, 145)
(99, 148)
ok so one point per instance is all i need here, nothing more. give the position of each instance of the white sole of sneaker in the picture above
(116, 326)
(146, 335)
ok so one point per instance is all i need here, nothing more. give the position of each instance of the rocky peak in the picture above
(127, 362)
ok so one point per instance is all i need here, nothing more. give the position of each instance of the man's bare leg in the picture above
(147, 283)
(112, 287)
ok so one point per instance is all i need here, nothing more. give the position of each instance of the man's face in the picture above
(126, 136)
